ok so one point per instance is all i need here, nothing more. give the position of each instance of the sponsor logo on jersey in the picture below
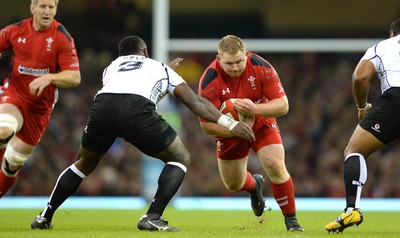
(35, 72)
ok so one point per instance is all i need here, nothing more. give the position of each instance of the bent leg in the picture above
(11, 121)
(234, 174)
(177, 159)
(70, 179)
(272, 158)
(15, 156)
(236, 178)
(273, 161)
(361, 145)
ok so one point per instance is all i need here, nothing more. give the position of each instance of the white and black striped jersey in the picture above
(386, 58)
(137, 74)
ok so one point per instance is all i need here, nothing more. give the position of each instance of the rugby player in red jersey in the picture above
(44, 58)
(236, 73)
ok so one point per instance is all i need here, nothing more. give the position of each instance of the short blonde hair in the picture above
(231, 44)
(35, 2)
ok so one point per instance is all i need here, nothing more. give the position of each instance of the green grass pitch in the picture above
(70, 223)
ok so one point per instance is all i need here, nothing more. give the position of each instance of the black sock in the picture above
(67, 184)
(355, 176)
(170, 180)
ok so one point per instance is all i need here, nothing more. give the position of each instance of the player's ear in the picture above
(32, 8)
(391, 33)
(146, 53)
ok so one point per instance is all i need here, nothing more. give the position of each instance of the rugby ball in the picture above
(229, 110)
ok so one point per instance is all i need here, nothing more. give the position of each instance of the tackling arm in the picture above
(206, 110)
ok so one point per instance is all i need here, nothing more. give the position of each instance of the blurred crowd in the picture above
(320, 121)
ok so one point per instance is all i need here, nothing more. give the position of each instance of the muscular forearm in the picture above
(213, 129)
(360, 92)
(205, 109)
(362, 75)
(65, 79)
(272, 109)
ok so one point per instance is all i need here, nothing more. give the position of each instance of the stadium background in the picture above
(318, 84)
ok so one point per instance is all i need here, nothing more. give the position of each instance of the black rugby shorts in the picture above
(128, 116)
(383, 120)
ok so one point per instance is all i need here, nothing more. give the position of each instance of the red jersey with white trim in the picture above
(258, 82)
(36, 53)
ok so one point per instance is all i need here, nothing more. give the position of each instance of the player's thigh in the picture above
(232, 148)
(233, 170)
(269, 148)
(175, 152)
(363, 142)
(272, 155)
(379, 127)
(272, 158)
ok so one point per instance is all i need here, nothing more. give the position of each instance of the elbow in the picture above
(205, 128)
(76, 79)
(356, 79)
(284, 110)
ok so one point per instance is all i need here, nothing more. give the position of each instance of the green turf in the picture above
(70, 223)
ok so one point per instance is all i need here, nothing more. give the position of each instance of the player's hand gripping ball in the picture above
(229, 110)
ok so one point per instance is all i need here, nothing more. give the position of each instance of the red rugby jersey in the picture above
(36, 53)
(259, 82)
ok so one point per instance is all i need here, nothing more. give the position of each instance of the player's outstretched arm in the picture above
(175, 63)
(203, 108)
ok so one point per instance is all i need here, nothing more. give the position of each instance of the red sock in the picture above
(284, 196)
(249, 183)
(6, 183)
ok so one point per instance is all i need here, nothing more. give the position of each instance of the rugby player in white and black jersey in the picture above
(379, 123)
(125, 107)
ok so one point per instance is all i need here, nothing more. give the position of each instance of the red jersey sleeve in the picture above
(4, 39)
(209, 87)
(271, 86)
(67, 55)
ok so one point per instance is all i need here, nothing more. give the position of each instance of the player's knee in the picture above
(15, 158)
(233, 187)
(8, 127)
(184, 158)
